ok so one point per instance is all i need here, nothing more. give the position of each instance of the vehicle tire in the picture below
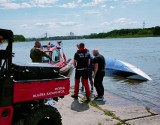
(20, 122)
(43, 115)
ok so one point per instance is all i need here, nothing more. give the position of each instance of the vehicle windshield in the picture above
(56, 56)
(45, 59)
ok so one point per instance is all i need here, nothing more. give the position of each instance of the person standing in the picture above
(90, 71)
(81, 63)
(36, 53)
(99, 73)
(90, 74)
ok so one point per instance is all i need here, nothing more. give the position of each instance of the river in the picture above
(141, 52)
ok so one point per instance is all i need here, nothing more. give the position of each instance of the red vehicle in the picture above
(58, 58)
(27, 90)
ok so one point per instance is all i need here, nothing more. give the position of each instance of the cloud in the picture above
(24, 26)
(103, 6)
(67, 23)
(55, 24)
(11, 4)
(76, 15)
(131, 1)
(98, 1)
(17, 4)
(92, 12)
(43, 2)
(106, 23)
(73, 4)
(47, 25)
(4, 1)
(124, 21)
(111, 7)
(119, 21)
(79, 1)
(93, 3)
(68, 5)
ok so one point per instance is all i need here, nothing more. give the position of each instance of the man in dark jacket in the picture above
(99, 73)
(37, 53)
(81, 63)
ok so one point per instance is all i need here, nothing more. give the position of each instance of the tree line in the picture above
(122, 33)
(19, 38)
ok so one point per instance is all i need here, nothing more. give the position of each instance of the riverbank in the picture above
(113, 111)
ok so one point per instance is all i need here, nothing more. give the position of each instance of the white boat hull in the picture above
(120, 68)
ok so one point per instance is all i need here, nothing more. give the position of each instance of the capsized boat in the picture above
(124, 69)
(58, 58)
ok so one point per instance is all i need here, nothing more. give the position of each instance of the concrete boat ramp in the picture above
(113, 111)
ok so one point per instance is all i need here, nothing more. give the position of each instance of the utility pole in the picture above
(45, 35)
(71, 34)
(143, 24)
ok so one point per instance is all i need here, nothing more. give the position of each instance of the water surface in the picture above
(141, 52)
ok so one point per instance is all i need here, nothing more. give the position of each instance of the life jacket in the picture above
(83, 57)
(82, 50)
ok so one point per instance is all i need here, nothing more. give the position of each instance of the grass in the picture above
(109, 113)
(106, 112)
(149, 111)
(99, 123)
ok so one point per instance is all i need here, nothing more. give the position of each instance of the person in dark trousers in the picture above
(81, 63)
(36, 53)
(90, 72)
(99, 73)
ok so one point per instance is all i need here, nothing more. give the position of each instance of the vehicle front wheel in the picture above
(43, 115)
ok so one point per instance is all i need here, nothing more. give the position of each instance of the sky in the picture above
(35, 18)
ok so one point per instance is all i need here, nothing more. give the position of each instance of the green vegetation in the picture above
(99, 123)
(120, 123)
(149, 111)
(106, 112)
(128, 33)
(122, 33)
(19, 38)
(109, 113)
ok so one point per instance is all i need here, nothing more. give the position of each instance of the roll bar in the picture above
(6, 55)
